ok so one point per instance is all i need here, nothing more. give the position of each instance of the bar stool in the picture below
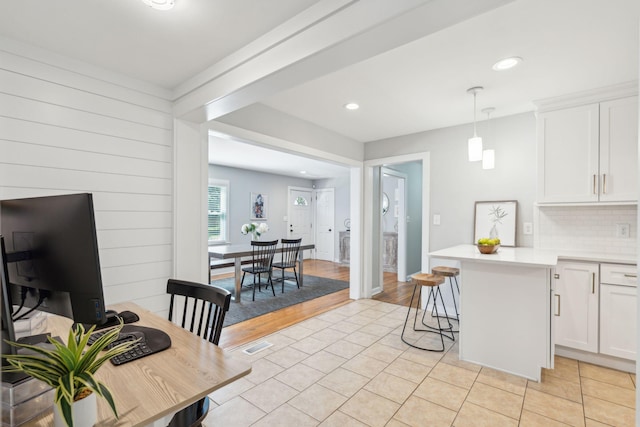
(433, 282)
(451, 273)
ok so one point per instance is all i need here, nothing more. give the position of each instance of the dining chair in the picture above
(201, 309)
(290, 250)
(261, 263)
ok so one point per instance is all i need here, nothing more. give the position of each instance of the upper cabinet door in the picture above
(568, 155)
(619, 150)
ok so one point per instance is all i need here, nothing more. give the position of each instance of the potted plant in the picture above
(70, 369)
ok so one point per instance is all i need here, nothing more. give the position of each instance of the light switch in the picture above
(527, 228)
(436, 219)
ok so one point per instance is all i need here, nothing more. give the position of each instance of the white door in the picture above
(576, 324)
(618, 308)
(325, 224)
(619, 150)
(300, 215)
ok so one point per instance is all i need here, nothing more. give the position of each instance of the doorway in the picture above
(300, 215)
(393, 223)
(417, 208)
(325, 224)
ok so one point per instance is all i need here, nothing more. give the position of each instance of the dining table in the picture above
(237, 252)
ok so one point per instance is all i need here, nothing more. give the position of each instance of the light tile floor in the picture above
(348, 367)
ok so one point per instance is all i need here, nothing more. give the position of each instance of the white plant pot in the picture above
(85, 413)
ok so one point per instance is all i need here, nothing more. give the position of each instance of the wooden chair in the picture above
(261, 263)
(290, 250)
(198, 300)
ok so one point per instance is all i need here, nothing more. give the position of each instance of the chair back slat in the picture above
(290, 250)
(199, 298)
(262, 254)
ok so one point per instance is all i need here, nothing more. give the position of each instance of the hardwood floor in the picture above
(253, 329)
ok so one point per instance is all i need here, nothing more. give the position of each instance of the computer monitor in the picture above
(50, 259)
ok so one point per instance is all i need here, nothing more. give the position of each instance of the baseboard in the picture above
(597, 359)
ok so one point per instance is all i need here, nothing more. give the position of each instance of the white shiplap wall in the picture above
(66, 128)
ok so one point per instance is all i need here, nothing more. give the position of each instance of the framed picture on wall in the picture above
(496, 220)
(259, 206)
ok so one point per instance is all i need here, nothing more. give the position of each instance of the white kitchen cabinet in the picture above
(576, 305)
(619, 150)
(618, 296)
(588, 153)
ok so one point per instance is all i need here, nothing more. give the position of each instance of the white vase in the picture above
(84, 411)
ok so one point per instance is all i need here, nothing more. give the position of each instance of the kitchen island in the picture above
(505, 308)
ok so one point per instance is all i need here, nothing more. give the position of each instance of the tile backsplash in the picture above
(586, 228)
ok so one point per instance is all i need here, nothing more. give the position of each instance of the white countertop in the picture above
(529, 256)
(517, 256)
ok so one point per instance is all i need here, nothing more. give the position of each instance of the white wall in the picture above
(268, 121)
(242, 183)
(456, 184)
(66, 127)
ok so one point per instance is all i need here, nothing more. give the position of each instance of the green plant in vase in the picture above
(70, 368)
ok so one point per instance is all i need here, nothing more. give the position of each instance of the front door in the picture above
(300, 215)
(325, 229)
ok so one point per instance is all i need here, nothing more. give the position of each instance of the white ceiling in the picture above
(567, 46)
(229, 152)
(165, 48)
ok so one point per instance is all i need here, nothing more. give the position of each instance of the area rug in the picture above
(265, 302)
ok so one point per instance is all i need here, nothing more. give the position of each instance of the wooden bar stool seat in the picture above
(452, 274)
(432, 282)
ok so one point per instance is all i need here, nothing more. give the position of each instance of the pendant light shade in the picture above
(475, 143)
(475, 149)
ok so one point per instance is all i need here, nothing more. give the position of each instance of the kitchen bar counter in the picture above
(505, 306)
(505, 255)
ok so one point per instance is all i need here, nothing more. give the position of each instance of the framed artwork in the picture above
(496, 219)
(258, 206)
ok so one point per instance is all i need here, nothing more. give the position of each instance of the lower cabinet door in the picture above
(618, 320)
(577, 294)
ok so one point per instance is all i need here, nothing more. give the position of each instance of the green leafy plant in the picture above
(70, 368)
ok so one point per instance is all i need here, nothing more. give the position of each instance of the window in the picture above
(217, 206)
(300, 201)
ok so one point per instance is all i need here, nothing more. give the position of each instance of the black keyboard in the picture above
(150, 341)
(140, 350)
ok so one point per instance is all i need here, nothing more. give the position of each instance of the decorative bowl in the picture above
(488, 249)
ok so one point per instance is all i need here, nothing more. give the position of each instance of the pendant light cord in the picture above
(474, 114)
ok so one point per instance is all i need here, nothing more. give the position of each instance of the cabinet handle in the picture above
(604, 183)
(557, 305)
(630, 275)
(595, 185)
(593, 283)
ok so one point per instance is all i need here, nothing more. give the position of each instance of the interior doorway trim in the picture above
(372, 276)
(356, 274)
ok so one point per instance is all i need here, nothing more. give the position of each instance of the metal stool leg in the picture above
(438, 331)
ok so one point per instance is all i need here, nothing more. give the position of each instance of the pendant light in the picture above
(475, 143)
(488, 156)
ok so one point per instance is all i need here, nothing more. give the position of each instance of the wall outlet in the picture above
(623, 231)
(527, 228)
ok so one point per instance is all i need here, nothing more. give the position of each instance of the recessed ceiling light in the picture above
(160, 4)
(303, 172)
(351, 106)
(506, 63)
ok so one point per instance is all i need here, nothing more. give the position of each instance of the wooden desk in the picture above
(236, 252)
(161, 384)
